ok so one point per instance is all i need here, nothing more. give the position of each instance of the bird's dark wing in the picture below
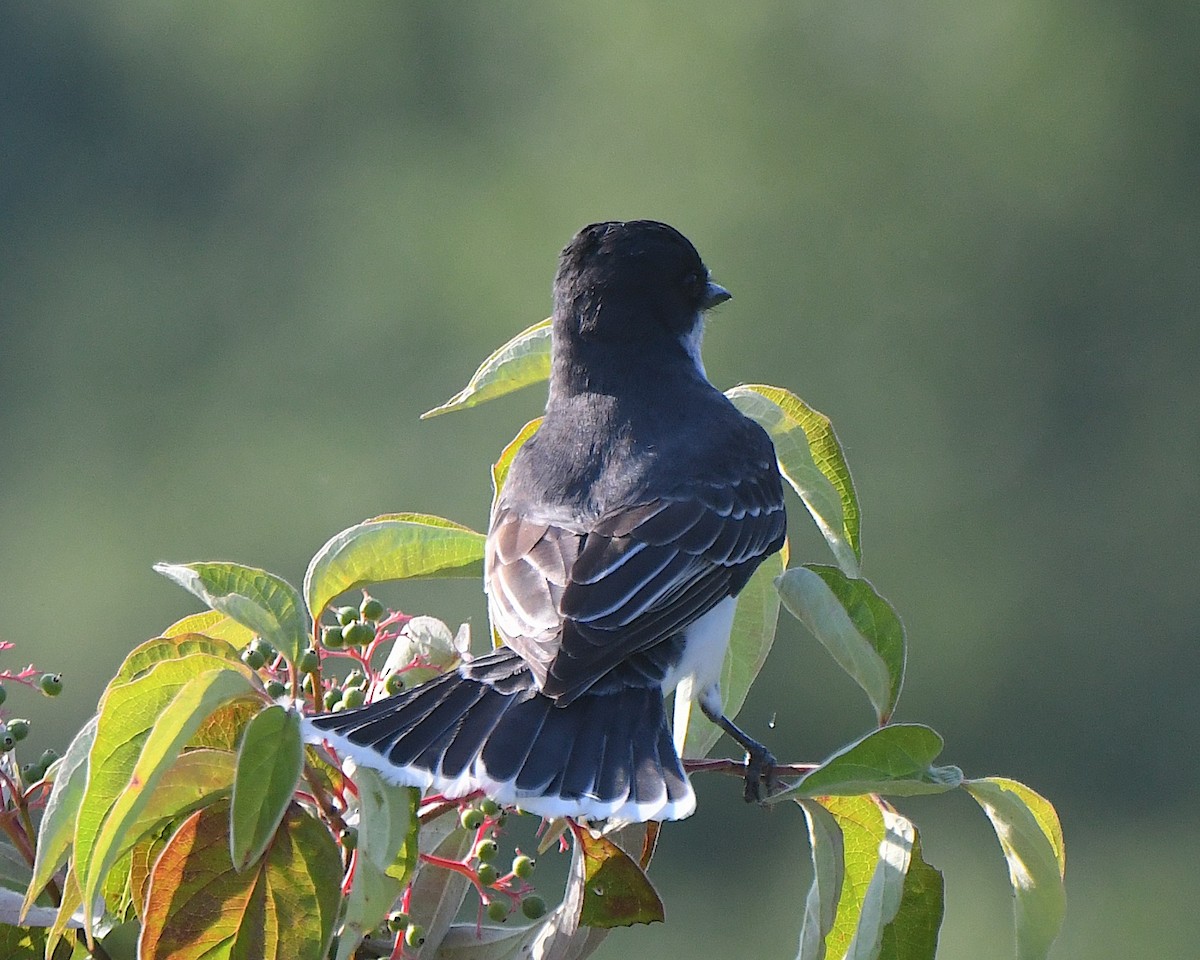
(577, 603)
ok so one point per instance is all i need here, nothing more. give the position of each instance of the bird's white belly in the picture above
(704, 649)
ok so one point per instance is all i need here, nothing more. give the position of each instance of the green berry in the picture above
(52, 684)
(276, 689)
(357, 634)
(253, 658)
(353, 697)
(414, 935)
(533, 907)
(485, 849)
(332, 638)
(19, 729)
(3, 693)
(370, 609)
(265, 648)
(48, 757)
(471, 818)
(522, 867)
(397, 922)
(489, 807)
(349, 838)
(393, 685)
(497, 911)
(346, 615)
(354, 678)
(7, 742)
(307, 684)
(32, 772)
(487, 874)
(332, 698)
(309, 661)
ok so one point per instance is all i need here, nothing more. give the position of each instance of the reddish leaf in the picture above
(198, 906)
(616, 891)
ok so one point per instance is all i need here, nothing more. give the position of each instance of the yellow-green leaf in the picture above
(400, 546)
(811, 460)
(523, 360)
(1031, 837)
(260, 601)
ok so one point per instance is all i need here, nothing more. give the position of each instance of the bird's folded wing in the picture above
(577, 603)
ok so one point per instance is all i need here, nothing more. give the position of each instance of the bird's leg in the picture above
(760, 762)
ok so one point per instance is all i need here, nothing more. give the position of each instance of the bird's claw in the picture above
(760, 775)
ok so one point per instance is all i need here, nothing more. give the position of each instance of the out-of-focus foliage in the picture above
(244, 245)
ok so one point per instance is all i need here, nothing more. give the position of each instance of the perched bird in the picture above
(626, 528)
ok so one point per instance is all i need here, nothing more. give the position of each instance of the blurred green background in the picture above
(244, 244)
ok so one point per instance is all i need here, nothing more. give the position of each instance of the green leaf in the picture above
(811, 460)
(212, 623)
(750, 641)
(885, 892)
(386, 855)
(858, 627)
(913, 933)
(1031, 838)
(268, 768)
(524, 360)
(504, 462)
(895, 760)
(196, 778)
(148, 655)
(57, 829)
(199, 906)
(828, 856)
(860, 821)
(260, 601)
(141, 728)
(400, 546)
(617, 892)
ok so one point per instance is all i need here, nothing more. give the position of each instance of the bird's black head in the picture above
(634, 282)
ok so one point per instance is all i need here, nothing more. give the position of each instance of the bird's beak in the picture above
(714, 294)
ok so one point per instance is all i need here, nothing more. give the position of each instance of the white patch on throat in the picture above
(692, 342)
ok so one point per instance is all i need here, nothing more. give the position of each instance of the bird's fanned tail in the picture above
(487, 727)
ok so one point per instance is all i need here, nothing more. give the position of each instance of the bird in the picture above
(617, 546)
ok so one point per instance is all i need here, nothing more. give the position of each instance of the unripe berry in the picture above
(497, 911)
(393, 685)
(276, 689)
(357, 634)
(353, 697)
(349, 838)
(370, 609)
(3, 693)
(533, 906)
(397, 922)
(31, 772)
(489, 807)
(485, 849)
(48, 757)
(346, 615)
(7, 742)
(522, 867)
(19, 729)
(487, 874)
(265, 648)
(309, 661)
(332, 698)
(414, 935)
(52, 684)
(253, 658)
(306, 683)
(332, 638)
(471, 818)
